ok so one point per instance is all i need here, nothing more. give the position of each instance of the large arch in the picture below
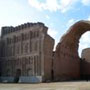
(67, 61)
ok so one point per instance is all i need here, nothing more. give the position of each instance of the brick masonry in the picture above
(66, 60)
(26, 51)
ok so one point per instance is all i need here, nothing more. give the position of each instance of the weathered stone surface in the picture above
(85, 64)
(67, 61)
(26, 52)
(86, 54)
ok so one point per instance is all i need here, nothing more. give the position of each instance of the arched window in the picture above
(35, 45)
(8, 72)
(26, 47)
(29, 72)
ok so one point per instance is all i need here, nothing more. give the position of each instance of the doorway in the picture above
(18, 74)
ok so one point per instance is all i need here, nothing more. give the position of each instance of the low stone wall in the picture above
(22, 79)
(7, 79)
(30, 79)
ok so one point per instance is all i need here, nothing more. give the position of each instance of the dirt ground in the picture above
(84, 85)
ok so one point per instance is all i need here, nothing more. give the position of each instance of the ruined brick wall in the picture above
(85, 63)
(48, 55)
(67, 61)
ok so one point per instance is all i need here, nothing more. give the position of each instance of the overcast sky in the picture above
(58, 15)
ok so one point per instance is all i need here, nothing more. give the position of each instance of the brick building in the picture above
(26, 53)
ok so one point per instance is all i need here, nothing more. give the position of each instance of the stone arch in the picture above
(67, 61)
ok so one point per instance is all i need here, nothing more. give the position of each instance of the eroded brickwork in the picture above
(27, 50)
(85, 64)
(67, 61)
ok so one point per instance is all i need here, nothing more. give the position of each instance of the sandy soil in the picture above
(48, 86)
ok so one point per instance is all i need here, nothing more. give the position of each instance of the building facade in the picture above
(26, 53)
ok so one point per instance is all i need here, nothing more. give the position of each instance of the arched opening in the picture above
(84, 42)
(67, 60)
(8, 72)
(84, 50)
(18, 74)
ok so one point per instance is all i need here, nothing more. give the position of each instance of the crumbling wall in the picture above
(67, 61)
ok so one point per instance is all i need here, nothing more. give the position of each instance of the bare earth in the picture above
(48, 86)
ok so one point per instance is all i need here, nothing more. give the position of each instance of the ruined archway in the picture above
(84, 42)
(67, 61)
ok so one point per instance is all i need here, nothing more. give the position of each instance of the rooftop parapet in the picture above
(6, 30)
(9, 29)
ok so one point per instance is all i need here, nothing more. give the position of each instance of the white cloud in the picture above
(88, 18)
(47, 16)
(70, 22)
(36, 4)
(62, 5)
(86, 2)
(86, 37)
(52, 5)
(52, 32)
(48, 5)
(65, 5)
